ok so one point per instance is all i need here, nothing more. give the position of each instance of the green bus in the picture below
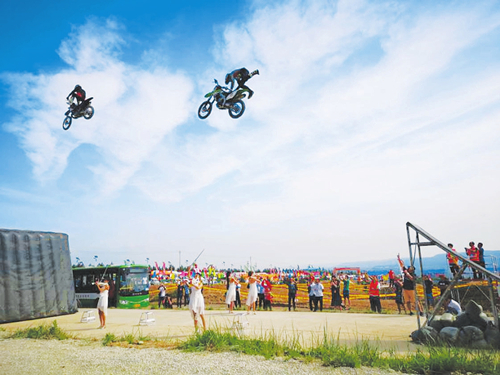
(128, 286)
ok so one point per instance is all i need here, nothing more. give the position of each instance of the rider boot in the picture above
(250, 93)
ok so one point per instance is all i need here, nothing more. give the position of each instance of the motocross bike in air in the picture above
(232, 102)
(76, 111)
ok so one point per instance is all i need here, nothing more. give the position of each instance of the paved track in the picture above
(388, 330)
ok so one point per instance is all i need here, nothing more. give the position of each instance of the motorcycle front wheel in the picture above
(89, 112)
(205, 110)
(67, 122)
(237, 108)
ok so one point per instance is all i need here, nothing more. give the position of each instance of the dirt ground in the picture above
(389, 331)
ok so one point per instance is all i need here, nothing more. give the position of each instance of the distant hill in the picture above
(434, 264)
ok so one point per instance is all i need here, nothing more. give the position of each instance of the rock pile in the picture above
(472, 328)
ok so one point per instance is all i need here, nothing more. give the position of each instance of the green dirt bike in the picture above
(232, 103)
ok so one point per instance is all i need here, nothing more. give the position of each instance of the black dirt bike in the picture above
(76, 111)
(232, 103)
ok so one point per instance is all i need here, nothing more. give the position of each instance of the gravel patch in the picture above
(27, 356)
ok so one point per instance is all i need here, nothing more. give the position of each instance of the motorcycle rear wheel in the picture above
(89, 112)
(67, 122)
(236, 109)
(205, 110)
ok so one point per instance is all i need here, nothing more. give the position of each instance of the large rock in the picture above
(449, 335)
(492, 335)
(469, 335)
(447, 319)
(480, 344)
(437, 324)
(425, 335)
(481, 321)
(462, 320)
(473, 309)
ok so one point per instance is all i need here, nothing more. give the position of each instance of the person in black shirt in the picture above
(237, 303)
(292, 292)
(428, 290)
(228, 274)
(409, 287)
(240, 76)
(398, 290)
(79, 95)
(310, 294)
(443, 283)
(180, 293)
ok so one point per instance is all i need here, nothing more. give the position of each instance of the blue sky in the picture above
(367, 115)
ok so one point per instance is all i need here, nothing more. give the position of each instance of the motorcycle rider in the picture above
(79, 94)
(241, 76)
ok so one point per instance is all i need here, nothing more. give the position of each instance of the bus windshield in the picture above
(134, 282)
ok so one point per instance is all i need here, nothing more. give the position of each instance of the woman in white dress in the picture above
(252, 293)
(197, 302)
(102, 305)
(231, 293)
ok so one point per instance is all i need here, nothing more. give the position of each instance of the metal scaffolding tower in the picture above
(415, 243)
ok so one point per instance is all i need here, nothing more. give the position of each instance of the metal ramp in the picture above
(418, 238)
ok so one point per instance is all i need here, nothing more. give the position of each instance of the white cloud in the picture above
(134, 107)
(364, 147)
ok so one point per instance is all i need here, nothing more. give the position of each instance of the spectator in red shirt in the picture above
(391, 278)
(473, 253)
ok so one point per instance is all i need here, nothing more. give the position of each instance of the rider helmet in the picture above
(78, 87)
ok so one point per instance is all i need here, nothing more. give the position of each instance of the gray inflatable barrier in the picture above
(36, 279)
